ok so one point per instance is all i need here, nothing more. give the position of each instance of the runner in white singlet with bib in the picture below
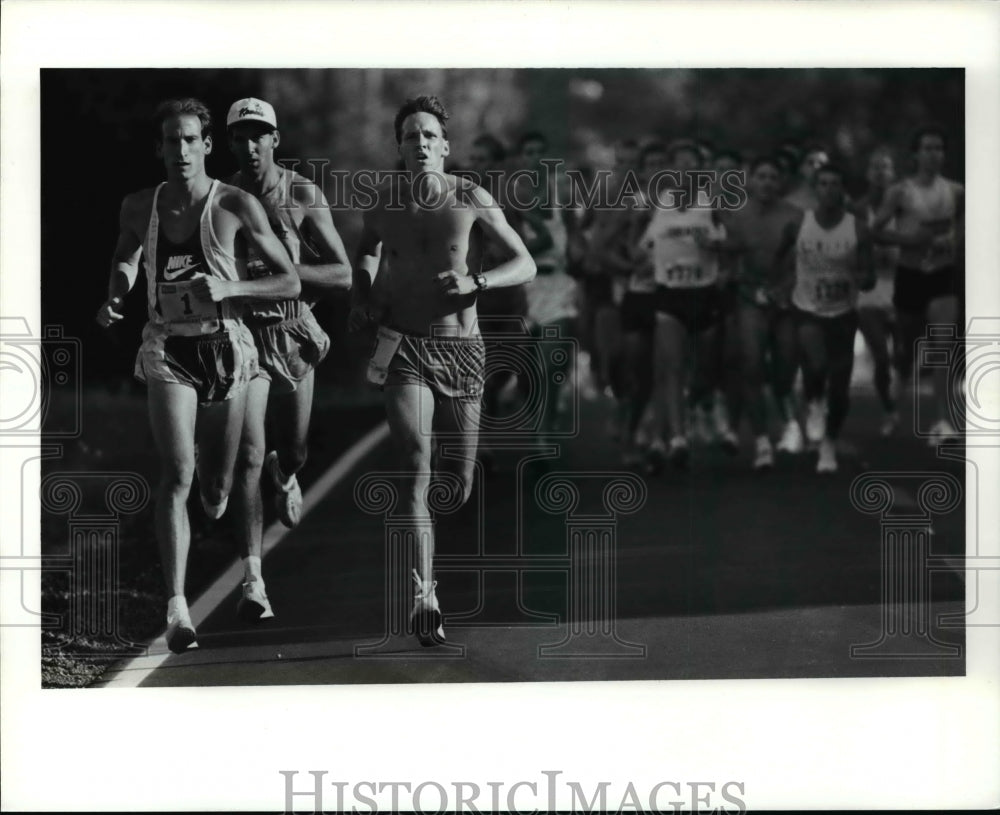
(682, 241)
(832, 255)
(197, 356)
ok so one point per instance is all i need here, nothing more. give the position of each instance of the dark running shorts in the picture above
(452, 367)
(697, 309)
(915, 289)
(218, 366)
(289, 350)
(598, 290)
(638, 312)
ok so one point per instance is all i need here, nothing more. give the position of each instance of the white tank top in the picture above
(826, 267)
(171, 275)
(678, 261)
(933, 207)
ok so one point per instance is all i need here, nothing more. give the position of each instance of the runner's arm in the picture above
(366, 270)
(283, 282)
(333, 272)
(124, 264)
(520, 268)
(881, 231)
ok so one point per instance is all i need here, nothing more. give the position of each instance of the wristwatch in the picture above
(480, 280)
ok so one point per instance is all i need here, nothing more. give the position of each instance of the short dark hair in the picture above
(491, 143)
(532, 135)
(421, 104)
(730, 153)
(651, 149)
(766, 160)
(928, 130)
(681, 145)
(183, 106)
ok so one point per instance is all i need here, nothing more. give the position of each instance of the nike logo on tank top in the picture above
(173, 268)
(826, 266)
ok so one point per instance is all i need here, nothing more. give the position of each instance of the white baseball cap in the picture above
(251, 110)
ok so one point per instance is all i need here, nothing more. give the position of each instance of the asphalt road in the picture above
(720, 573)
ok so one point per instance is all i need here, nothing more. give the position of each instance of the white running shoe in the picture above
(656, 456)
(791, 439)
(942, 431)
(701, 426)
(764, 457)
(816, 421)
(889, 424)
(180, 631)
(253, 605)
(827, 457)
(679, 452)
(425, 619)
(288, 501)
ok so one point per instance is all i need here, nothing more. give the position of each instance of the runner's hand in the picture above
(110, 313)
(362, 316)
(454, 284)
(210, 289)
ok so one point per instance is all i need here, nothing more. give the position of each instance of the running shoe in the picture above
(816, 421)
(791, 439)
(827, 462)
(941, 432)
(679, 452)
(288, 501)
(180, 631)
(253, 605)
(425, 619)
(656, 457)
(764, 456)
(729, 441)
(889, 423)
(701, 426)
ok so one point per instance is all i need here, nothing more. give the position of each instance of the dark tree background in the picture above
(97, 143)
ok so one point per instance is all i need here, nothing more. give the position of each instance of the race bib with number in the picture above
(833, 292)
(685, 276)
(182, 309)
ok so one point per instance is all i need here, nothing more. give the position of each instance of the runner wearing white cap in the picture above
(289, 341)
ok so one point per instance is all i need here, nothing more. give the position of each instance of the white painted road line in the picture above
(132, 674)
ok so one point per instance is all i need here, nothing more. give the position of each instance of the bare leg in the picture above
(218, 432)
(942, 310)
(173, 411)
(410, 412)
(249, 465)
(669, 357)
(873, 323)
(290, 415)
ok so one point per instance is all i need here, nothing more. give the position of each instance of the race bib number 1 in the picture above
(178, 304)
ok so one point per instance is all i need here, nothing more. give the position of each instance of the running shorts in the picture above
(218, 366)
(915, 289)
(289, 350)
(697, 309)
(638, 312)
(452, 367)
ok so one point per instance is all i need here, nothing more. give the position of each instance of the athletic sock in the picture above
(177, 606)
